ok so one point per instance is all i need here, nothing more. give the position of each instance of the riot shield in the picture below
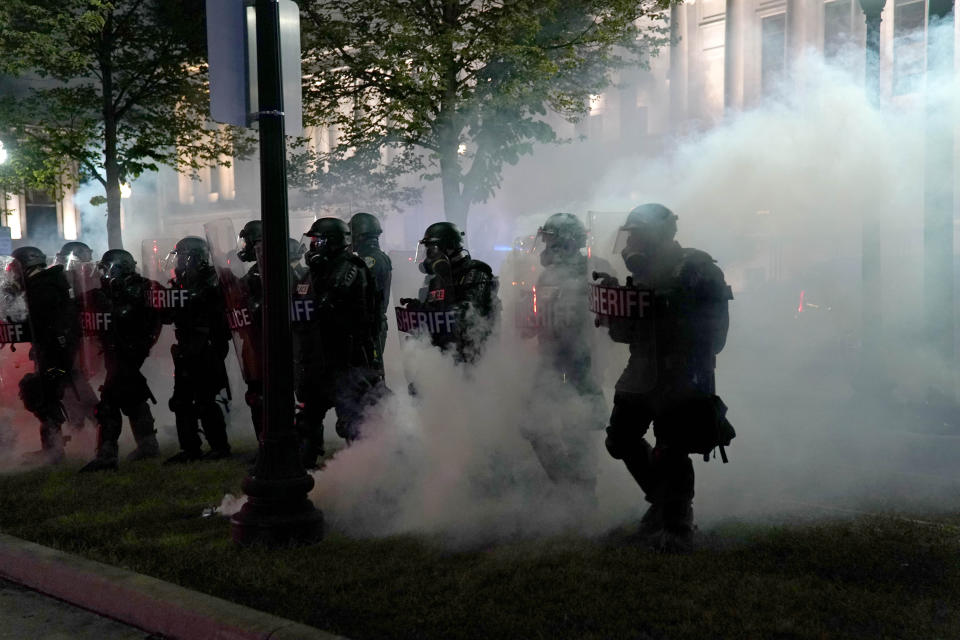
(14, 321)
(440, 323)
(84, 282)
(241, 288)
(153, 256)
(629, 313)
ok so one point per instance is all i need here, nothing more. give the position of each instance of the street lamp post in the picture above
(278, 511)
(871, 260)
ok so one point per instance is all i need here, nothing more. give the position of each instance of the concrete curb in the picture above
(150, 604)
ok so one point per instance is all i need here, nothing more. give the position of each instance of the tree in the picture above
(111, 89)
(454, 89)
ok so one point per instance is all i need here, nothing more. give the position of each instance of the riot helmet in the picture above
(364, 226)
(29, 258)
(74, 251)
(442, 242)
(115, 265)
(247, 240)
(649, 228)
(561, 236)
(189, 257)
(326, 238)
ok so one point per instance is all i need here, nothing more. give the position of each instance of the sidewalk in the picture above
(155, 606)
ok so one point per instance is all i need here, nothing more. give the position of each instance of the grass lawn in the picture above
(874, 577)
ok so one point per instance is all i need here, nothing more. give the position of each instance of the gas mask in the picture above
(434, 261)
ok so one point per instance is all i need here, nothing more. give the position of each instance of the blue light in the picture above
(502, 247)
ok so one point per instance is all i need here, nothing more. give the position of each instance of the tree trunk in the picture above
(110, 164)
(454, 207)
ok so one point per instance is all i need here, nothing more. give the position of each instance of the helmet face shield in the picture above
(428, 250)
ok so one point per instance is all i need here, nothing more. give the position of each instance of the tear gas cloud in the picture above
(778, 194)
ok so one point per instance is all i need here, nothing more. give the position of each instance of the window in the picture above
(837, 27)
(773, 51)
(908, 53)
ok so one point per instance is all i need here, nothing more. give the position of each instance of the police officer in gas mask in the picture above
(79, 398)
(55, 327)
(337, 358)
(669, 379)
(202, 342)
(365, 233)
(128, 328)
(564, 327)
(455, 281)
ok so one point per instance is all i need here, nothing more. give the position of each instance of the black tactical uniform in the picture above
(54, 322)
(563, 329)
(457, 282)
(670, 382)
(79, 398)
(203, 338)
(365, 233)
(338, 365)
(128, 328)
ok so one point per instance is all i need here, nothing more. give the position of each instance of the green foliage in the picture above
(106, 91)
(419, 79)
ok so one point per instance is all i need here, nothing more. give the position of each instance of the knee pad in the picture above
(31, 392)
(179, 403)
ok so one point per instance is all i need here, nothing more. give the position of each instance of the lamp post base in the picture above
(277, 512)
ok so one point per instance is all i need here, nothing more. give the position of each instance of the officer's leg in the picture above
(629, 421)
(144, 433)
(185, 414)
(43, 398)
(350, 389)
(316, 395)
(675, 477)
(211, 416)
(109, 424)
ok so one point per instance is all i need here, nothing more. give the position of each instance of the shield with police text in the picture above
(242, 291)
(14, 320)
(84, 282)
(628, 313)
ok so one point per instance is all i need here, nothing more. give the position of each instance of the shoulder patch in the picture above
(370, 260)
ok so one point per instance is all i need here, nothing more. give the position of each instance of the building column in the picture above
(679, 56)
(733, 56)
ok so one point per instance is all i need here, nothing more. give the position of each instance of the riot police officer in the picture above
(128, 327)
(55, 329)
(79, 398)
(457, 282)
(669, 379)
(338, 365)
(365, 233)
(249, 237)
(563, 328)
(202, 342)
